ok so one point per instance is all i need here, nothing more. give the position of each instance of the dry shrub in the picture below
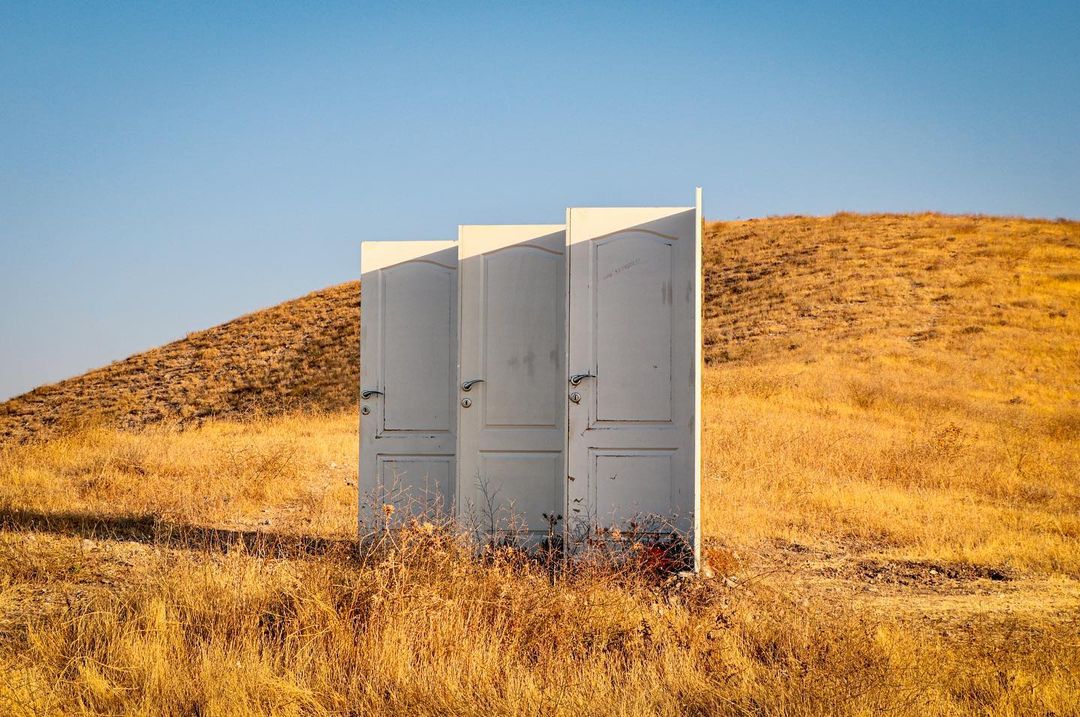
(1064, 425)
(866, 394)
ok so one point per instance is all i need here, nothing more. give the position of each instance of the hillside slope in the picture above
(299, 354)
(793, 286)
(781, 283)
(890, 503)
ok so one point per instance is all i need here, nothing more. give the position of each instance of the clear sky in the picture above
(165, 167)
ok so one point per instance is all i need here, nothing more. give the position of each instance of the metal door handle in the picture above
(369, 393)
(579, 377)
(467, 385)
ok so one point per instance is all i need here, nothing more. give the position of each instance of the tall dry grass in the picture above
(295, 472)
(891, 492)
(421, 626)
(901, 465)
(905, 384)
(99, 619)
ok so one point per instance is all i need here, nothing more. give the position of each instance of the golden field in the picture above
(891, 507)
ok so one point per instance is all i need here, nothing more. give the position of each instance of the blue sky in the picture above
(166, 167)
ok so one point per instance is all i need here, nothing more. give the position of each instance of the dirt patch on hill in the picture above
(917, 572)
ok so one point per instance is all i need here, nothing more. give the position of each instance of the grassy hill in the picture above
(897, 385)
(891, 499)
(789, 286)
(300, 354)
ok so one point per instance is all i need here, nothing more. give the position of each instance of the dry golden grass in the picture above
(423, 628)
(892, 485)
(296, 472)
(907, 383)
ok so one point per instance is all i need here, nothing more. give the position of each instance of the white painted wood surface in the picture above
(408, 341)
(615, 297)
(511, 435)
(634, 328)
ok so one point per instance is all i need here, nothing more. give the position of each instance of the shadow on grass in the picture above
(153, 530)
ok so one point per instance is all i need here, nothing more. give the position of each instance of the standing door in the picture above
(408, 374)
(633, 370)
(511, 402)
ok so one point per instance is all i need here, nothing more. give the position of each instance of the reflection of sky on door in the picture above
(162, 170)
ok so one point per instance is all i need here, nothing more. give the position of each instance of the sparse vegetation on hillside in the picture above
(891, 501)
(872, 286)
(787, 286)
(908, 384)
(298, 355)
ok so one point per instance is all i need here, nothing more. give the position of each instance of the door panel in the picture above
(416, 348)
(418, 485)
(408, 358)
(523, 319)
(633, 325)
(632, 301)
(518, 488)
(630, 484)
(512, 434)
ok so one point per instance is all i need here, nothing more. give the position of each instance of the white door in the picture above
(511, 402)
(633, 370)
(408, 375)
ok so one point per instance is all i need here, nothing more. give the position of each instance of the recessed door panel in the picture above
(633, 369)
(632, 487)
(523, 320)
(511, 393)
(515, 491)
(418, 300)
(633, 326)
(408, 369)
(417, 486)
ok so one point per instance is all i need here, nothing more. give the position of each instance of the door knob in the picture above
(467, 385)
(369, 393)
(579, 377)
